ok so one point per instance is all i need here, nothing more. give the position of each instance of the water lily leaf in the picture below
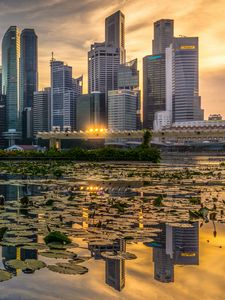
(4, 275)
(31, 264)
(68, 269)
(59, 254)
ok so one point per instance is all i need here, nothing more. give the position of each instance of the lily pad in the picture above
(58, 254)
(70, 269)
(31, 264)
(4, 275)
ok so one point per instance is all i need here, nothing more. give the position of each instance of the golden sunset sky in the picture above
(68, 27)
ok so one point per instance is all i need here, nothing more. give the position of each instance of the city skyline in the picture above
(70, 39)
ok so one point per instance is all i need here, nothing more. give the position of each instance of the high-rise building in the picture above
(154, 74)
(41, 111)
(10, 80)
(70, 105)
(103, 64)
(61, 86)
(115, 33)
(154, 88)
(122, 110)
(185, 85)
(128, 78)
(163, 35)
(128, 75)
(91, 111)
(28, 76)
(2, 118)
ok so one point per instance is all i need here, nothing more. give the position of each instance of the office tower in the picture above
(61, 86)
(163, 35)
(103, 64)
(70, 103)
(2, 118)
(115, 33)
(41, 111)
(186, 99)
(122, 110)
(10, 81)
(28, 77)
(154, 88)
(0, 79)
(91, 111)
(128, 75)
(128, 78)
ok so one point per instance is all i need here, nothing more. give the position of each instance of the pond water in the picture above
(138, 231)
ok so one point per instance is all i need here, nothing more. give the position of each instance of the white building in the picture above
(162, 119)
(122, 110)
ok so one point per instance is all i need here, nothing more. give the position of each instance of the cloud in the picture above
(68, 27)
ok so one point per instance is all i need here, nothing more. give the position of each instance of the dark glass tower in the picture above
(10, 79)
(115, 33)
(163, 35)
(28, 75)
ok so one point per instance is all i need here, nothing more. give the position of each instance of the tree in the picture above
(146, 139)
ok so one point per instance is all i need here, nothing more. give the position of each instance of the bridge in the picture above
(167, 136)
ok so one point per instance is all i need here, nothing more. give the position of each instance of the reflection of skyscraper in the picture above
(115, 33)
(163, 265)
(175, 245)
(115, 273)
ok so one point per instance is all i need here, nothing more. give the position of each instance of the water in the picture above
(175, 259)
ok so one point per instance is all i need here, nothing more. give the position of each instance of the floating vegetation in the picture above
(69, 269)
(28, 264)
(5, 275)
(57, 237)
(59, 254)
(119, 255)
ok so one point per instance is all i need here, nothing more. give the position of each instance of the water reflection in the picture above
(175, 245)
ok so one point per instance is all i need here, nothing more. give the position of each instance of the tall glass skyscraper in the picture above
(185, 85)
(115, 33)
(163, 35)
(10, 78)
(28, 66)
(28, 76)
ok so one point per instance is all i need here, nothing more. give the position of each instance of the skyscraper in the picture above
(128, 78)
(154, 73)
(10, 79)
(154, 88)
(41, 111)
(103, 64)
(163, 35)
(115, 33)
(185, 85)
(61, 86)
(91, 112)
(122, 110)
(28, 76)
(70, 103)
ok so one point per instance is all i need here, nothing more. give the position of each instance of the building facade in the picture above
(115, 33)
(28, 76)
(91, 111)
(154, 88)
(186, 99)
(61, 86)
(163, 35)
(122, 110)
(103, 64)
(41, 111)
(10, 80)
